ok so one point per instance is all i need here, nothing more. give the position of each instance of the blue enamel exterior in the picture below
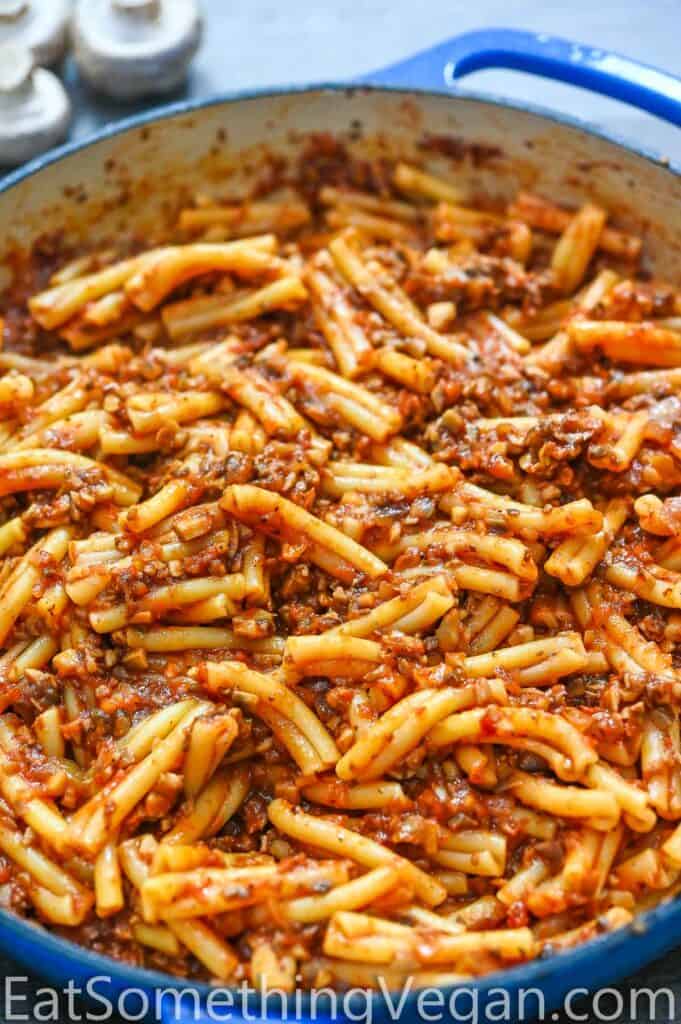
(586, 66)
(604, 960)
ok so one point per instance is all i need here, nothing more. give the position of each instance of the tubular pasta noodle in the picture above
(544, 215)
(212, 808)
(47, 727)
(54, 307)
(574, 517)
(271, 971)
(523, 883)
(105, 812)
(513, 337)
(627, 650)
(46, 873)
(39, 468)
(537, 663)
(576, 246)
(247, 218)
(340, 477)
(334, 316)
(353, 402)
(278, 515)
(616, 453)
(452, 223)
(211, 737)
(643, 343)
(162, 270)
(391, 305)
(169, 894)
(633, 801)
(80, 431)
(195, 638)
(512, 554)
(391, 208)
(290, 736)
(109, 897)
(334, 839)
(659, 751)
(474, 852)
(368, 946)
(415, 374)
(487, 634)
(656, 516)
(554, 353)
(207, 946)
(81, 334)
(600, 807)
(653, 583)
(342, 216)
(412, 180)
(484, 725)
(39, 814)
(281, 697)
(645, 870)
(275, 412)
(192, 316)
(645, 382)
(478, 764)
(162, 599)
(360, 797)
(307, 655)
(17, 590)
(350, 896)
(12, 533)
(588, 858)
(150, 412)
(65, 402)
(576, 558)
(398, 732)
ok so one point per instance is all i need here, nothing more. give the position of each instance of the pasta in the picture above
(340, 582)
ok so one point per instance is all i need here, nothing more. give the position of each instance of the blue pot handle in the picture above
(598, 70)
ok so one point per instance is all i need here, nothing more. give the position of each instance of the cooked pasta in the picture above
(340, 583)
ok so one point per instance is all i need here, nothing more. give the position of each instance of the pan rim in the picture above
(168, 111)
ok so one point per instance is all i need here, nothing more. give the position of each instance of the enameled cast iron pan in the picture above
(127, 174)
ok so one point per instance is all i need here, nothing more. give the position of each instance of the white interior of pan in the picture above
(131, 181)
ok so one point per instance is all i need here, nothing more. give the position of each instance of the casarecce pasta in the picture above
(340, 583)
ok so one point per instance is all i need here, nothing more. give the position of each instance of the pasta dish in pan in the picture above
(340, 582)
